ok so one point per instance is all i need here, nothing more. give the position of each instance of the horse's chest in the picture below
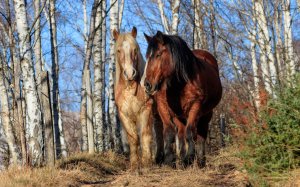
(129, 104)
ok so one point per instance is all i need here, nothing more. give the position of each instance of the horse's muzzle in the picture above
(150, 90)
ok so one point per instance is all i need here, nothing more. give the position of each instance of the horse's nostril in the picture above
(125, 74)
(133, 73)
(147, 86)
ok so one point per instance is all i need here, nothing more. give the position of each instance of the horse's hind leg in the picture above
(202, 130)
(133, 140)
(145, 119)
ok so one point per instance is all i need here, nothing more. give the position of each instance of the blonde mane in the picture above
(141, 63)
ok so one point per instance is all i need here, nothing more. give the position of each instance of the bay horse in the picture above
(133, 104)
(186, 87)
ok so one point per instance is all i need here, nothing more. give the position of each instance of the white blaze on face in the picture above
(128, 65)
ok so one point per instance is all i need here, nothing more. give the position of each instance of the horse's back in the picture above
(206, 57)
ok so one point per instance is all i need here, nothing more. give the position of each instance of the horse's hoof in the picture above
(201, 162)
(159, 158)
(170, 160)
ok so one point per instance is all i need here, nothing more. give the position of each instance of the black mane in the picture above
(182, 57)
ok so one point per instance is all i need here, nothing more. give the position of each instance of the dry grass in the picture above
(74, 171)
(223, 169)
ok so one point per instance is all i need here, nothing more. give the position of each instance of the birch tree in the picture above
(84, 145)
(113, 19)
(6, 116)
(86, 112)
(58, 126)
(103, 61)
(288, 40)
(98, 82)
(173, 27)
(33, 113)
(175, 16)
(266, 59)
(252, 37)
(199, 34)
(18, 103)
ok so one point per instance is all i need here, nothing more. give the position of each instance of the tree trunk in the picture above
(163, 17)
(48, 120)
(288, 40)
(252, 37)
(58, 128)
(267, 58)
(279, 44)
(18, 97)
(112, 106)
(103, 62)
(86, 101)
(37, 42)
(175, 16)
(6, 116)
(84, 145)
(33, 113)
(121, 12)
(98, 83)
(199, 33)
(212, 27)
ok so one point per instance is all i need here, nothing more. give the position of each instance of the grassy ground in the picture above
(109, 169)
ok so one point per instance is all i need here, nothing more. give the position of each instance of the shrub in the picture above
(275, 146)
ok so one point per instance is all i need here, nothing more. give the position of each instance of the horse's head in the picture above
(159, 65)
(127, 51)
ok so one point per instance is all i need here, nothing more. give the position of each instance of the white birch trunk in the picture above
(37, 41)
(84, 145)
(18, 99)
(267, 64)
(98, 83)
(252, 37)
(112, 106)
(122, 2)
(199, 34)
(58, 126)
(86, 111)
(6, 116)
(279, 43)
(33, 113)
(103, 59)
(175, 16)
(288, 40)
(163, 17)
(89, 102)
(85, 24)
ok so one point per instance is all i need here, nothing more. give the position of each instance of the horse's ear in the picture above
(160, 37)
(148, 38)
(115, 34)
(134, 32)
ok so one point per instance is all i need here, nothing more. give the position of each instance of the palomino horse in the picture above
(134, 106)
(186, 87)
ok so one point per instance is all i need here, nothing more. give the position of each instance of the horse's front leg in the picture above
(191, 131)
(159, 137)
(172, 127)
(145, 119)
(133, 140)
